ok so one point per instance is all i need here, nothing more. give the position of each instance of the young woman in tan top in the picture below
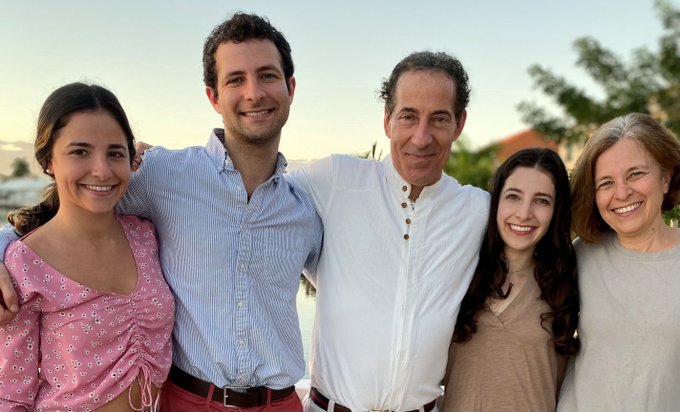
(516, 325)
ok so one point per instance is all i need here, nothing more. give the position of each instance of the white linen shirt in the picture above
(390, 280)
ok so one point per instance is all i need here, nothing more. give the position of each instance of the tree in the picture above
(20, 168)
(373, 153)
(472, 167)
(649, 83)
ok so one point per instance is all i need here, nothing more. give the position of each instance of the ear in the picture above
(291, 88)
(48, 168)
(386, 124)
(212, 96)
(459, 125)
(666, 181)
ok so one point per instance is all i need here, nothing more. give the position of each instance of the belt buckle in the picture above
(225, 399)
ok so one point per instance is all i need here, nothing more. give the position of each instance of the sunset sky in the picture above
(149, 54)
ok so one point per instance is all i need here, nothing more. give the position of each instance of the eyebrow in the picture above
(512, 189)
(642, 166)
(88, 145)
(436, 112)
(257, 70)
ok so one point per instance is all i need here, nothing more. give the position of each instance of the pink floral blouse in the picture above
(73, 348)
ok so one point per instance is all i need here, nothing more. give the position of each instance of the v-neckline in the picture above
(509, 312)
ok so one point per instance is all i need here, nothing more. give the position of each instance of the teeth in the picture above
(254, 114)
(521, 228)
(628, 208)
(97, 188)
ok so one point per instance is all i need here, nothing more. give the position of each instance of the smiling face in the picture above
(629, 190)
(251, 93)
(422, 126)
(525, 210)
(90, 162)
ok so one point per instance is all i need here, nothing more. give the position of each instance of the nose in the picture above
(422, 136)
(254, 90)
(622, 190)
(101, 167)
(524, 210)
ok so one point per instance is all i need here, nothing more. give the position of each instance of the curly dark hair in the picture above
(427, 60)
(239, 28)
(555, 258)
(55, 113)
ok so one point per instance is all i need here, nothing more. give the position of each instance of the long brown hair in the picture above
(55, 113)
(555, 259)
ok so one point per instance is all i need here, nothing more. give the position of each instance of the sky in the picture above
(149, 54)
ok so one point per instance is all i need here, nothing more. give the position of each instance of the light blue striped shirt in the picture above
(233, 264)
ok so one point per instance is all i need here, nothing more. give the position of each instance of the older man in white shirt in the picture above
(401, 244)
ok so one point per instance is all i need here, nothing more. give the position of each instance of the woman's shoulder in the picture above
(135, 224)
(29, 272)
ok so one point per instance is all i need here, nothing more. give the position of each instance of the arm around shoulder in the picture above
(8, 297)
(19, 358)
(316, 179)
(136, 199)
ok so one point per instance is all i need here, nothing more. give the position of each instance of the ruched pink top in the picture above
(74, 348)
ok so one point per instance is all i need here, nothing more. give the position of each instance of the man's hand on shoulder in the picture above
(140, 147)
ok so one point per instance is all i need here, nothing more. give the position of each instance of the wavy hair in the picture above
(657, 140)
(432, 61)
(554, 255)
(239, 28)
(55, 113)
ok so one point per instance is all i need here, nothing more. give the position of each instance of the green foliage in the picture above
(672, 217)
(648, 83)
(472, 167)
(20, 168)
(371, 154)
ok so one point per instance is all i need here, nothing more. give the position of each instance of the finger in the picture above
(141, 147)
(8, 298)
(136, 162)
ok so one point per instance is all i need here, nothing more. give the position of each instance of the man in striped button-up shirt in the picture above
(234, 234)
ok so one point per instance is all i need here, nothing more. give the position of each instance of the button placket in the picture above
(241, 293)
(407, 219)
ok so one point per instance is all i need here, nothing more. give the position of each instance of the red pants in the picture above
(176, 399)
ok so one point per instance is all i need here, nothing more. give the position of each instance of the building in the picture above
(22, 191)
(522, 140)
(531, 138)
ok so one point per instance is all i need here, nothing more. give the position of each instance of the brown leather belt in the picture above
(322, 402)
(228, 396)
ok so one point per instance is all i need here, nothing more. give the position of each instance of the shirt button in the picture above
(406, 237)
(240, 303)
(404, 188)
(403, 205)
(408, 221)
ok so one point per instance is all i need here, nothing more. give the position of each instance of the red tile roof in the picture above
(522, 140)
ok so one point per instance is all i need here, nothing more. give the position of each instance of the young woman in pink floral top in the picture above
(95, 321)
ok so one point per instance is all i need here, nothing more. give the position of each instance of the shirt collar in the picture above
(220, 157)
(398, 184)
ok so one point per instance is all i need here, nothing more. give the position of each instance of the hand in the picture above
(8, 298)
(141, 147)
